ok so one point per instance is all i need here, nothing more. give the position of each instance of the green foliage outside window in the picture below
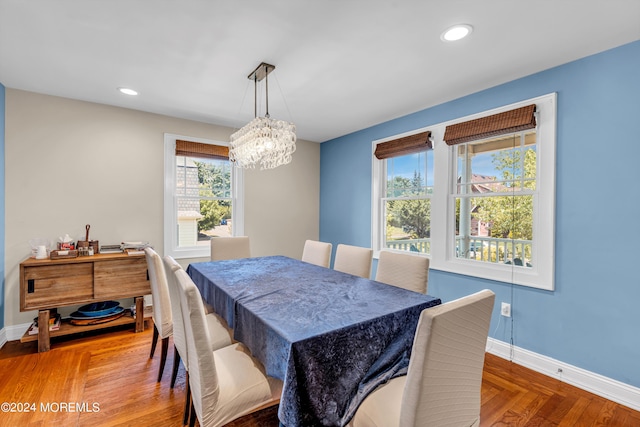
(215, 186)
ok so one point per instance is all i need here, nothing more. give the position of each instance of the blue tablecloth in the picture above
(330, 336)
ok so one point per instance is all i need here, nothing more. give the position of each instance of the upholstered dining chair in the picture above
(230, 248)
(219, 333)
(226, 383)
(318, 253)
(443, 382)
(161, 315)
(354, 260)
(404, 270)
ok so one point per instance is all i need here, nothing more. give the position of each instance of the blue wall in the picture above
(1, 206)
(592, 318)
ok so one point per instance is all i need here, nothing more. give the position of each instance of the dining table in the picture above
(331, 337)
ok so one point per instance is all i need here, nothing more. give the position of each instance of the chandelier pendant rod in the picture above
(255, 95)
(266, 91)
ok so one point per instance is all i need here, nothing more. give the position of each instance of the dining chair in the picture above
(318, 253)
(161, 314)
(219, 333)
(443, 382)
(353, 260)
(230, 248)
(404, 270)
(227, 383)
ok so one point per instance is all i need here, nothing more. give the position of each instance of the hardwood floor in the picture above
(107, 379)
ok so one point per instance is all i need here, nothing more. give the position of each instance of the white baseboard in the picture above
(3, 337)
(600, 385)
(16, 332)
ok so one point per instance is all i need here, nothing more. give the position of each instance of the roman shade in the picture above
(497, 124)
(198, 149)
(405, 145)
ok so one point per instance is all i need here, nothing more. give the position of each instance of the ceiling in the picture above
(341, 65)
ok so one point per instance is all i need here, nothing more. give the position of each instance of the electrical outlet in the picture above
(505, 310)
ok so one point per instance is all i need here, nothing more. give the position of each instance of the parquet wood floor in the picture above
(111, 380)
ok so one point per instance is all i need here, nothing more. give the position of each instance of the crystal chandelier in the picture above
(264, 141)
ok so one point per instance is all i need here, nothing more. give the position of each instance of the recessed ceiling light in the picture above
(456, 32)
(127, 91)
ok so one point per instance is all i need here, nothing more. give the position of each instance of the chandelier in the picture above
(264, 141)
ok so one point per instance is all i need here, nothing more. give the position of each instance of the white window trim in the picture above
(170, 220)
(442, 256)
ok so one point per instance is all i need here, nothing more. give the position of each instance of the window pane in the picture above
(203, 189)
(496, 229)
(504, 164)
(410, 175)
(407, 207)
(408, 225)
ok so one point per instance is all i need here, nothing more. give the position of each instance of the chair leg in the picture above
(154, 342)
(163, 356)
(192, 416)
(187, 402)
(176, 365)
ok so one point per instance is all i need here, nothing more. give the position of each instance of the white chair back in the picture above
(223, 248)
(203, 377)
(179, 339)
(318, 253)
(445, 370)
(404, 270)
(354, 260)
(162, 316)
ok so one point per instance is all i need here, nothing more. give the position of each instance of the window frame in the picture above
(170, 207)
(542, 274)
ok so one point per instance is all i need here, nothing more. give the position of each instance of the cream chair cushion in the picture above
(404, 270)
(230, 248)
(443, 383)
(226, 383)
(353, 260)
(162, 316)
(220, 334)
(318, 253)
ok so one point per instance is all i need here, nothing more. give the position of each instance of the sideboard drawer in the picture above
(57, 285)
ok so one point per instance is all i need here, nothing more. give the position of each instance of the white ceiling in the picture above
(341, 65)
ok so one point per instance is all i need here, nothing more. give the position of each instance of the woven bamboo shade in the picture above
(198, 149)
(498, 124)
(405, 145)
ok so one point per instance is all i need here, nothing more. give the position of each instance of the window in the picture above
(405, 188)
(201, 195)
(486, 192)
(493, 196)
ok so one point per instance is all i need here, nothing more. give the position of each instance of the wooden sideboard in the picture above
(47, 284)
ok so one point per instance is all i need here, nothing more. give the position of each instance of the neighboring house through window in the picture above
(202, 195)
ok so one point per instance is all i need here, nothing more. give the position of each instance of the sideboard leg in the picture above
(139, 314)
(44, 342)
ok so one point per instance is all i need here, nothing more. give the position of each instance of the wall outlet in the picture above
(505, 309)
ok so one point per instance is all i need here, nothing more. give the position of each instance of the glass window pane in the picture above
(408, 216)
(503, 164)
(410, 175)
(408, 225)
(203, 202)
(495, 229)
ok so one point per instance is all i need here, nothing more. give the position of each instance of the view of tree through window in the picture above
(407, 204)
(203, 189)
(494, 200)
